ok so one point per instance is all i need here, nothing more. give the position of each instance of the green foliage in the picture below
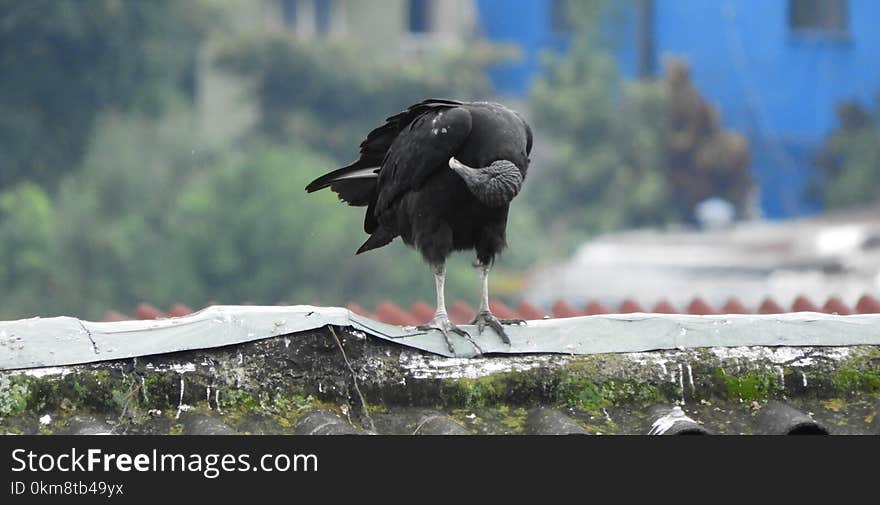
(27, 231)
(625, 154)
(850, 159)
(114, 242)
(63, 62)
(702, 159)
(329, 96)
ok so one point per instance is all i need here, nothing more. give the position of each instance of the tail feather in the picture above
(355, 170)
(379, 238)
(374, 148)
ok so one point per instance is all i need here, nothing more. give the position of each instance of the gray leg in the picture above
(441, 318)
(484, 316)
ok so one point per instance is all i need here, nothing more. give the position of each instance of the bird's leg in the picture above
(441, 318)
(484, 315)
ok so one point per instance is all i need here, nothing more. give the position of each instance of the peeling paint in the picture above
(790, 356)
(435, 367)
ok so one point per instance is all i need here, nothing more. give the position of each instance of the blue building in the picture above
(775, 68)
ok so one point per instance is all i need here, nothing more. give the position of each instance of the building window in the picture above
(819, 15)
(419, 16)
(323, 9)
(288, 13)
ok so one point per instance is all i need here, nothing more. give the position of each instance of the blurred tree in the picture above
(607, 165)
(329, 96)
(63, 62)
(27, 261)
(626, 154)
(849, 163)
(703, 160)
(115, 246)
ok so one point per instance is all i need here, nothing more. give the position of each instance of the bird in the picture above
(440, 175)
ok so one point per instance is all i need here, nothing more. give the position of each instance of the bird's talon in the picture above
(445, 327)
(486, 318)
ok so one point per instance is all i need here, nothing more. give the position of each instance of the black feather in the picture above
(416, 195)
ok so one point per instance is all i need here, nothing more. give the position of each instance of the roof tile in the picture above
(179, 310)
(867, 304)
(734, 306)
(769, 306)
(357, 309)
(630, 306)
(147, 311)
(461, 313)
(664, 307)
(564, 309)
(595, 307)
(422, 311)
(835, 306)
(528, 311)
(501, 310)
(803, 304)
(390, 313)
(699, 307)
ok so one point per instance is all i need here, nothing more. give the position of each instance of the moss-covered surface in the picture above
(266, 386)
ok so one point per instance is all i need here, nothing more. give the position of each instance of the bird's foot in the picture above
(485, 318)
(446, 327)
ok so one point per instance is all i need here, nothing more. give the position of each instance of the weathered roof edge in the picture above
(59, 341)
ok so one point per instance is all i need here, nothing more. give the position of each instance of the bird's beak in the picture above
(455, 164)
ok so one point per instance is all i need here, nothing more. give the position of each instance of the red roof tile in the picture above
(422, 311)
(564, 309)
(387, 312)
(630, 306)
(595, 308)
(357, 309)
(769, 306)
(462, 313)
(502, 311)
(699, 307)
(734, 306)
(112, 315)
(803, 304)
(528, 311)
(835, 306)
(664, 307)
(179, 310)
(147, 311)
(867, 304)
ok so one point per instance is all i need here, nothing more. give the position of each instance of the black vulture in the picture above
(440, 175)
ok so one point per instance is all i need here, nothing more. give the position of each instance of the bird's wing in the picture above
(422, 148)
(356, 183)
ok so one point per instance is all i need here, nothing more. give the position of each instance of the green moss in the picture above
(236, 400)
(572, 388)
(750, 386)
(849, 380)
(592, 396)
(284, 407)
(515, 419)
(482, 391)
(14, 395)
